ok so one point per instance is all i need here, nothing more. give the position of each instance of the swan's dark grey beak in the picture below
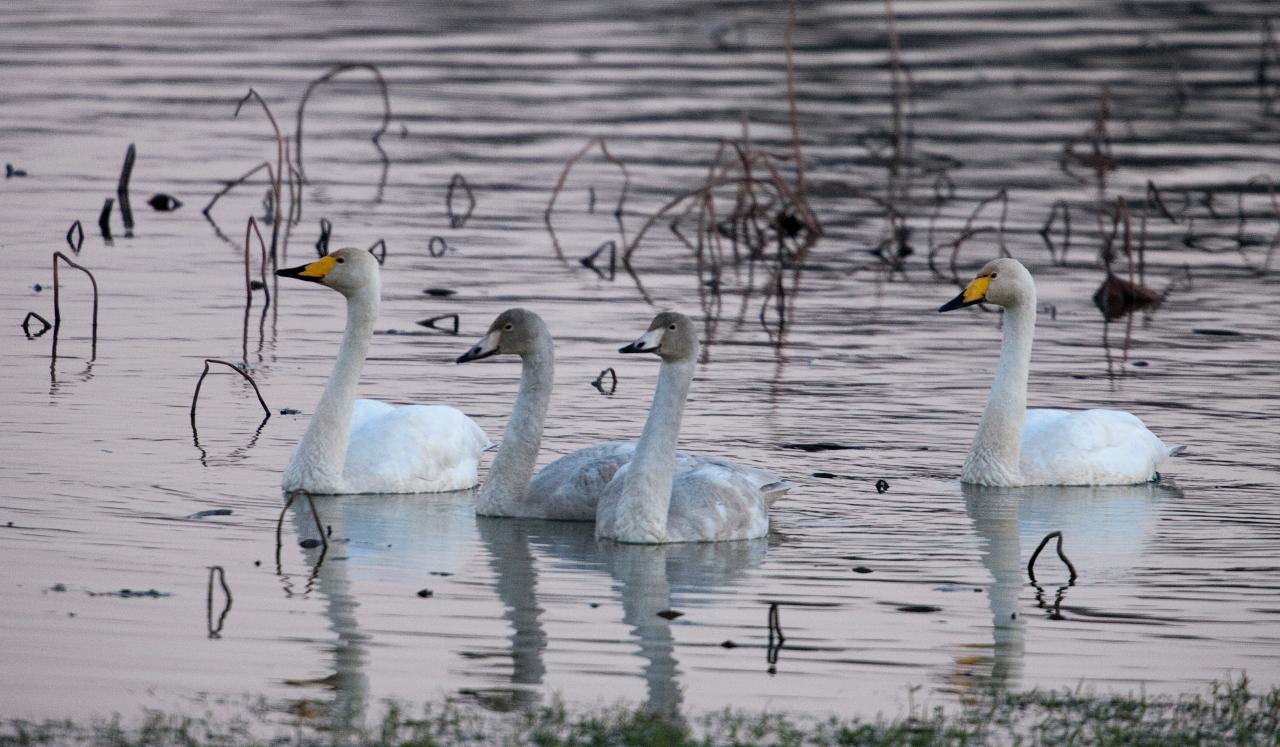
(974, 292)
(648, 343)
(487, 346)
(312, 271)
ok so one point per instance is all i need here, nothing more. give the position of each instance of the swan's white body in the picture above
(568, 488)
(364, 446)
(1016, 446)
(662, 495)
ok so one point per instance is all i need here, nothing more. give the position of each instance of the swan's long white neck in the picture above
(508, 480)
(994, 457)
(646, 492)
(319, 458)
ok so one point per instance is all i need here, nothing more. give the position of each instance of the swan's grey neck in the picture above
(322, 452)
(646, 493)
(508, 481)
(994, 457)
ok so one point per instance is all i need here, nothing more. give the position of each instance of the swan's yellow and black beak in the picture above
(648, 343)
(974, 292)
(487, 346)
(312, 271)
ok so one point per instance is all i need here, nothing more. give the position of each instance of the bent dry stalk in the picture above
(598, 383)
(26, 325)
(564, 176)
(457, 220)
(1031, 564)
(122, 189)
(75, 237)
(57, 305)
(386, 111)
(215, 631)
(195, 398)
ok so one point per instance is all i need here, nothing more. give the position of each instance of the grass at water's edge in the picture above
(1230, 713)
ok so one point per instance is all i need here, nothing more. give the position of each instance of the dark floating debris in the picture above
(322, 243)
(122, 189)
(728, 644)
(437, 246)
(826, 475)
(256, 285)
(431, 323)
(381, 256)
(10, 171)
(457, 220)
(104, 218)
(164, 203)
(309, 543)
(881, 485)
(426, 593)
(439, 292)
(670, 614)
(37, 287)
(290, 411)
(861, 569)
(1117, 298)
(918, 608)
(1217, 332)
(26, 325)
(210, 512)
(75, 237)
(613, 382)
(58, 588)
(440, 573)
(131, 594)
(1031, 564)
(821, 446)
(589, 261)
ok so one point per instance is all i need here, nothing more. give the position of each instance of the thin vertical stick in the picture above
(57, 305)
(122, 189)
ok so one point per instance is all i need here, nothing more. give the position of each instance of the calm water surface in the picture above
(920, 586)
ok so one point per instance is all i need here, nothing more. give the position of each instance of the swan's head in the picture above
(347, 271)
(1003, 282)
(671, 335)
(514, 332)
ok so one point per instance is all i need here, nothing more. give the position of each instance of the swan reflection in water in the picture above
(1104, 531)
(399, 539)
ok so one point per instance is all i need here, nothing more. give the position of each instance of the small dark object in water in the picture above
(58, 587)
(439, 292)
(613, 382)
(825, 475)
(381, 256)
(104, 218)
(289, 411)
(426, 593)
(919, 608)
(437, 246)
(257, 564)
(131, 594)
(309, 543)
(1117, 298)
(164, 203)
(37, 287)
(589, 261)
(788, 224)
(1217, 332)
(75, 237)
(820, 446)
(728, 644)
(881, 485)
(26, 325)
(670, 614)
(441, 573)
(1141, 364)
(210, 512)
(9, 525)
(322, 243)
(861, 569)
(11, 171)
(256, 285)
(458, 220)
(431, 323)
(594, 605)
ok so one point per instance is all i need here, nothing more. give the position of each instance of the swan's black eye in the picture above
(672, 327)
(341, 260)
(993, 276)
(508, 328)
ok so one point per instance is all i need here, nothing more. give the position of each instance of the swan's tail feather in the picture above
(1177, 449)
(775, 490)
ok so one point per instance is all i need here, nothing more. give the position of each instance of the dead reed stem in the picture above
(564, 176)
(215, 631)
(386, 110)
(195, 398)
(57, 304)
(251, 227)
(122, 189)
(1031, 564)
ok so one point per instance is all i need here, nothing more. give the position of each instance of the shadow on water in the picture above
(412, 533)
(1105, 530)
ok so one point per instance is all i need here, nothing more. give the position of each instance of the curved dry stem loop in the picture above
(334, 72)
(57, 304)
(195, 398)
(1031, 564)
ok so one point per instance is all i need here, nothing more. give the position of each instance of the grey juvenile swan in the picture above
(662, 495)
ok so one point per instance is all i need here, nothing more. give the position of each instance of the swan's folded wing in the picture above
(412, 449)
(570, 487)
(1089, 447)
(720, 500)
